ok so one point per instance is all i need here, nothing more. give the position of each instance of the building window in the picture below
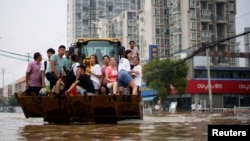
(177, 39)
(205, 12)
(166, 42)
(166, 11)
(157, 11)
(157, 21)
(110, 8)
(231, 6)
(232, 16)
(192, 3)
(166, 31)
(193, 36)
(232, 27)
(157, 41)
(130, 31)
(192, 13)
(192, 24)
(157, 31)
(166, 22)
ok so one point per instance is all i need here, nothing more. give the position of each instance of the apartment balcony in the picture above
(171, 21)
(177, 29)
(232, 18)
(177, 48)
(206, 14)
(78, 10)
(206, 18)
(171, 1)
(221, 38)
(192, 6)
(177, 9)
(206, 39)
(231, 8)
(221, 0)
(221, 19)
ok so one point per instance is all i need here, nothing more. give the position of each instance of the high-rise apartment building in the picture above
(126, 27)
(193, 22)
(84, 14)
(153, 27)
(177, 25)
(172, 25)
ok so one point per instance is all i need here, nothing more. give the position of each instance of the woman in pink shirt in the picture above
(111, 74)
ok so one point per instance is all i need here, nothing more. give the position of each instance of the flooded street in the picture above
(178, 126)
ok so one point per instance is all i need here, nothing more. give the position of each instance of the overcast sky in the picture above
(27, 26)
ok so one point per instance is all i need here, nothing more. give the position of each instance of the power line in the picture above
(21, 59)
(13, 57)
(14, 53)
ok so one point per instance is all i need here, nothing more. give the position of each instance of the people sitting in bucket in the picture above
(83, 83)
(111, 75)
(124, 70)
(53, 72)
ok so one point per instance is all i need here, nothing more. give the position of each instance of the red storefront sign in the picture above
(218, 86)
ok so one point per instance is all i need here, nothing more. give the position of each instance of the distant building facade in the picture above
(83, 14)
(153, 21)
(126, 28)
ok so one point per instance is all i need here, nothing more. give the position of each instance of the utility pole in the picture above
(3, 81)
(3, 77)
(209, 80)
(28, 57)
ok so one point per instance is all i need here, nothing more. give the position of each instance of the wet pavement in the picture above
(159, 126)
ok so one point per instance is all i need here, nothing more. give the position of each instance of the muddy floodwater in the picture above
(159, 126)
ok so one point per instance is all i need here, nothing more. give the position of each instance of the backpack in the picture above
(45, 65)
(71, 78)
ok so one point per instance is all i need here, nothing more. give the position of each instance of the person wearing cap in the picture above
(124, 70)
(83, 83)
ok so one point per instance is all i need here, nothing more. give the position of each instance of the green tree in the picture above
(160, 74)
(12, 101)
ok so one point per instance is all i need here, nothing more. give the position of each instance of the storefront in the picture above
(225, 93)
(149, 97)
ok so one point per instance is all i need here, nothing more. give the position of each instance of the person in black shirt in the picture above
(83, 83)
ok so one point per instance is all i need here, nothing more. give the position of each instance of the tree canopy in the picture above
(12, 101)
(165, 76)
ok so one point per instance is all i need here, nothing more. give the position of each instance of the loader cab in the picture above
(86, 47)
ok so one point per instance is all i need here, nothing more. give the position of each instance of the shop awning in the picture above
(149, 98)
(146, 93)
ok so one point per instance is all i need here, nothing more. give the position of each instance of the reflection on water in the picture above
(188, 127)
